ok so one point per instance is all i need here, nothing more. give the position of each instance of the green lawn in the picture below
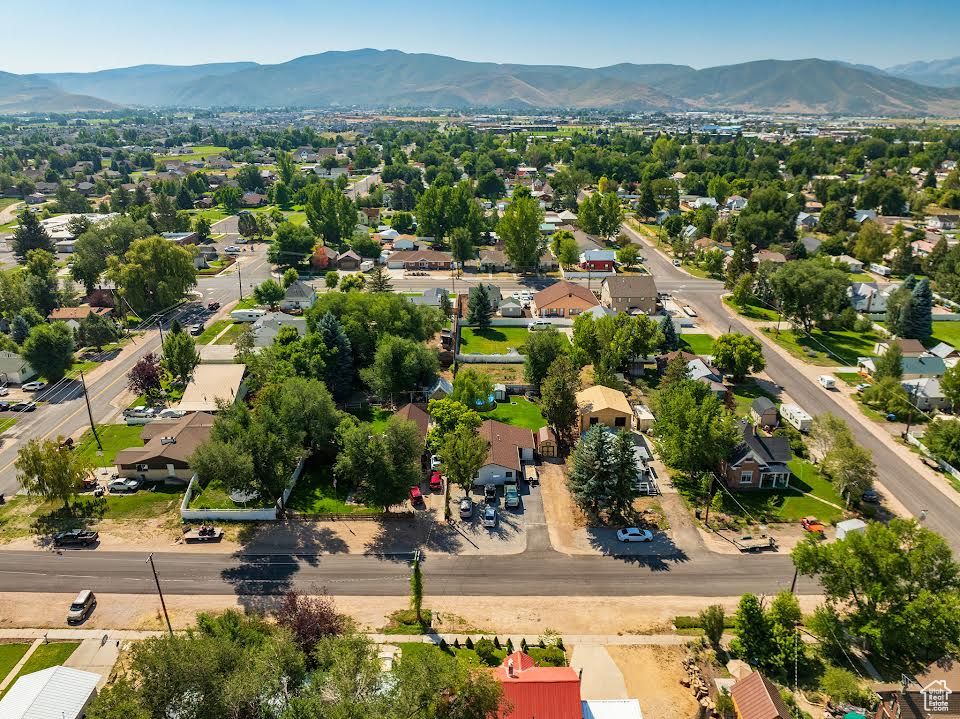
(948, 332)
(5, 202)
(851, 378)
(744, 394)
(861, 277)
(827, 349)
(10, 654)
(247, 303)
(790, 505)
(196, 153)
(753, 312)
(113, 437)
(212, 331)
(230, 336)
(216, 496)
(493, 340)
(518, 411)
(698, 344)
(7, 423)
(376, 416)
(46, 656)
(315, 494)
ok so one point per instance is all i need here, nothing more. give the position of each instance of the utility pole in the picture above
(160, 327)
(239, 280)
(93, 427)
(160, 592)
(913, 401)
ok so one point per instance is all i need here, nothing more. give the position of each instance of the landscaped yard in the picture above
(376, 416)
(315, 493)
(46, 656)
(753, 312)
(518, 411)
(744, 394)
(425, 653)
(196, 153)
(697, 343)
(212, 331)
(851, 378)
(827, 349)
(493, 340)
(10, 654)
(230, 336)
(216, 496)
(948, 332)
(113, 437)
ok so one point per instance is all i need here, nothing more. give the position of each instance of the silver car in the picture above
(490, 517)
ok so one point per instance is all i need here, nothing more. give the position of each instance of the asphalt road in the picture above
(528, 574)
(65, 412)
(901, 479)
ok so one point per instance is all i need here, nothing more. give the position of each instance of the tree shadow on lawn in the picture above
(83, 513)
(270, 560)
(490, 334)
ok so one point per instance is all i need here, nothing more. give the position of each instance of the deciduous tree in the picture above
(52, 471)
(49, 350)
(738, 355)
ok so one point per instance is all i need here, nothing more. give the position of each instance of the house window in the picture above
(593, 421)
(509, 474)
(746, 478)
(620, 422)
(575, 311)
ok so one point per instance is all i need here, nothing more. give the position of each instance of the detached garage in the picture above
(59, 692)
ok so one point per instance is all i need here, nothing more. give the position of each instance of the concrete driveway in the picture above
(600, 677)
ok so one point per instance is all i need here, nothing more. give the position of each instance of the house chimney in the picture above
(510, 667)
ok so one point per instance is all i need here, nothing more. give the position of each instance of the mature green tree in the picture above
(647, 204)
(338, 370)
(95, 245)
(623, 471)
(628, 255)
(353, 282)
(890, 363)
(292, 244)
(738, 355)
(588, 471)
(473, 389)
(542, 350)
(379, 280)
(742, 294)
(269, 292)
(49, 350)
(290, 276)
(330, 214)
(402, 222)
(119, 700)
(809, 291)
(180, 354)
(463, 453)
(713, 622)
(568, 253)
(153, 274)
(144, 378)
(50, 470)
(871, 243)
(693, 431)
(850, 468)
(559, 398)
(920, 324)
(229, 197)
(479, 307)
(519, 228)
(950, 385)
(96, 330)
(741, 263)
(304, 405)
(895, 586)
(943, 439)
(400, 366)
(461, 246)
(30, 235)
(755, 641)
(668, 331)
(42, 284)
(331, 279)
(247, 225)
(384, 466)
(447, 415)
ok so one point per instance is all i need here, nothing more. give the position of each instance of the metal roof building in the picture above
(54, 693)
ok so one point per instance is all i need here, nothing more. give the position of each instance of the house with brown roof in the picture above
(167, 447)
(509, 448)
(909, 348)
(756, 697)
(74, 315)
(603, 405)
(625, 293)
(416, 414)
(934, 693)
(563, 299)
(420, 260)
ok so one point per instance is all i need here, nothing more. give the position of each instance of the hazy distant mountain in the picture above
(940, 73)
(380, 78)
(141, 84)
(21, 93)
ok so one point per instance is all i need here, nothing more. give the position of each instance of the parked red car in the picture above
(436, 481)
(415, 496)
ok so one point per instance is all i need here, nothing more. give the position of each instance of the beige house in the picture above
(167, 447)
(624, 293)
(213, 383)
(603, 405)
(563, 299)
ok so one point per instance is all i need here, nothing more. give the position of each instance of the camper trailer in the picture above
(796, 417)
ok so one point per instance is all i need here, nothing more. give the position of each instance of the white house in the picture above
(926, 393)
(510, 447)
(14, 368)
(299, 296)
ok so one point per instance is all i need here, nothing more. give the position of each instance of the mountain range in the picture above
(391, 78)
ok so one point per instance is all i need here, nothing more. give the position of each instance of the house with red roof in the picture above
(532, 692)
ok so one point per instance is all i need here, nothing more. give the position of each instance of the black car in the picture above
(213, 306)
(75, 538)
(490, 493)
(23, 407)
(4, 406)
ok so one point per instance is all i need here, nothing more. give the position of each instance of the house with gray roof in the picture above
(758, 462)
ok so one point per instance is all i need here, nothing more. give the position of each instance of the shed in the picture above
(546, 441)
(500, 392)
(55, 693)
(643, 417)
(849, 526)
(756, 697)
(764, 412)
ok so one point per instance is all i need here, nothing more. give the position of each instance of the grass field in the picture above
(851, 378)
(827, 349)
(46, 656)
(7, 423)
(230, 336)
(517, 411)
(494, 340)
(501, 373)
(216, 496)
(211, 331)
(113, 437)
(753, 312)
(744, 394)
(315, 494)
(948, 332)
(197, 153)
(698, 344)
(376, 416)
(10, 654)
(790, 505)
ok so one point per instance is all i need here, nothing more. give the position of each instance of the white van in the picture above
(826, 381)
(247, 315)
(538, 325)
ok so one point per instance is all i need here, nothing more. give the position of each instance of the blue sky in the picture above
(66, 35)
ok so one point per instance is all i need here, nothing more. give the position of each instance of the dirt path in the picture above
(9, 214)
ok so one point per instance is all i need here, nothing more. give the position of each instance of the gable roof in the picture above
(755, 697)
(417, 415)
(561, 289)
(764, 450)
(77, 313)
(188, 433)
(943, 350)
(299, 290)
(533, 692)
(762, 404)
(49, 694)
(926, 366)
(505, 441)
(598, 397)
(630, 286)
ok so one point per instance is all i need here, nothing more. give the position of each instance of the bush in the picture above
(456, 642)
(523, 644)
(443, 645)
(496, 642)
(863, 326)
(487, 652)
(844, 686)
(509, 645)
(712, 619)
(685, 622)
(550, 657)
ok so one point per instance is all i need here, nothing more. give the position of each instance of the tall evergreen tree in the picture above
(623, 473)
(670, 339)
(339, 370)
(30, 235)
(479, 307)
(19, 329)
(647, 206)
(742, 261)
(559, 398)
(755, 641)
(921, 311)
(379, 280)
(590, 463)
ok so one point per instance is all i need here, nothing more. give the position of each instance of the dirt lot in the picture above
(521, 615)
(652, 675)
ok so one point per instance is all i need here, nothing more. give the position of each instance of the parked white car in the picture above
(538, 325)
(634, 534)
(490, 517)
(434, 462)
(4, 391)
(33, 386)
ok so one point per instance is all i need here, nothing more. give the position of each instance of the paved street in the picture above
(901, 479)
